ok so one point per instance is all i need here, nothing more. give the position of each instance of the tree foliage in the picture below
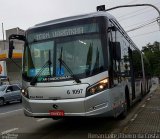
(152, 53)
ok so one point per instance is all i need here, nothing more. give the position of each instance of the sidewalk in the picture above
(147, 118)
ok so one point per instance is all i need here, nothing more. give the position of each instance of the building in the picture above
(13, 71)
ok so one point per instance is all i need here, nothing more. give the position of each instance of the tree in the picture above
(152, 53)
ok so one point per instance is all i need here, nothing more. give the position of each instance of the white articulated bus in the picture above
(83, 65)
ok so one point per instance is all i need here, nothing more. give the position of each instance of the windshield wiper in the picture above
(69, 70)
(34, 80)
(49, 63)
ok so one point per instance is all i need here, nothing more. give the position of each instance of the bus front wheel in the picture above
(126, 105)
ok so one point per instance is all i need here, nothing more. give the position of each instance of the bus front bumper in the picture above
(95, 106)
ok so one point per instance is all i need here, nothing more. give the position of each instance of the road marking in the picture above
(10, 112)
(135, 116)
(42, 119)
(148, 98)
(143, 105)
(8, 131)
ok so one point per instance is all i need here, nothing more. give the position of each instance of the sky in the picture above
(27, 13)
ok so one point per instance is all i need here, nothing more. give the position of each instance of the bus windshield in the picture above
(81, 52)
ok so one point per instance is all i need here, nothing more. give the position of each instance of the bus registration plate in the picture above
(56, 113)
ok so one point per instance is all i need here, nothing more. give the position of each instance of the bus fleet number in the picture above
(74, 92)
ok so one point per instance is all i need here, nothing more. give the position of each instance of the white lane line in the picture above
(143, 105)
(148, 99)
(8, 131)
(10, 112)
(134, 117)
(42, 119)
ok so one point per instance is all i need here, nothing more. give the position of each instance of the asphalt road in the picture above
(13, 123)
(10, 107)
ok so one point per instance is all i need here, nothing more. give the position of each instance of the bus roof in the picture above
(71, 18)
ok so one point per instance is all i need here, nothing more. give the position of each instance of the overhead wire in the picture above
(144, 34)
(137, 11)
(145, 23)
(139, 23)
(126, 18)
(142, 26)
(132, 12)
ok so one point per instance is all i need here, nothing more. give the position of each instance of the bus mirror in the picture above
(117, 51)
(11, 47)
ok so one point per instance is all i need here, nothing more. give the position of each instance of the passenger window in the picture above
(16, 88)
(116, 38)
(9, 89)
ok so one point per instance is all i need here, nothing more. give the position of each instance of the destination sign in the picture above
(67, 31)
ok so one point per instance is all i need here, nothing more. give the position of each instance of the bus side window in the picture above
(115, 64)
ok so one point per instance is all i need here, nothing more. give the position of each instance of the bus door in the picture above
(132, 74)
(114, 70)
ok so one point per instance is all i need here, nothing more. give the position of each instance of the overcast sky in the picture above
(26, 13)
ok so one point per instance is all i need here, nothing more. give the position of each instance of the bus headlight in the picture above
(98, 87)
(25, 92)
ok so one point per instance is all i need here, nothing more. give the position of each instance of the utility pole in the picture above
(3, 36)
